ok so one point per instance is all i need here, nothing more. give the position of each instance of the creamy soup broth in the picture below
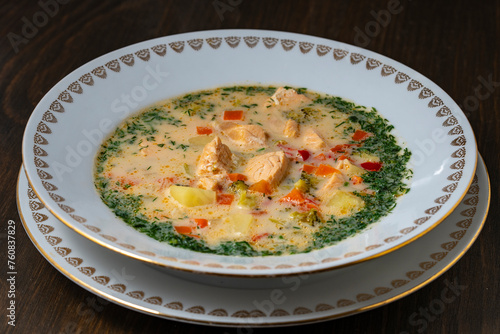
(252, 170)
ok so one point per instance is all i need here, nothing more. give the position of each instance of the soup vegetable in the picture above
(252, 170)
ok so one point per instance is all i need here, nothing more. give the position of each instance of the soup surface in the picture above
(252, 170)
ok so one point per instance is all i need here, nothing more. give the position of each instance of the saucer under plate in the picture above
(358, 288)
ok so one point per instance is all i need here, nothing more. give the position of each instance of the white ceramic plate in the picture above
(364, 286)
(67, 126)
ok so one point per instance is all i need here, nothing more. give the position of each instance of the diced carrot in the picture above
(372, 166)
(183, 229)
(344, 157)
(366, 192)
(309, 168)
(320, 157)
(295, 196)
(225, 199)
(165, 181)
(325, 170)
(127, 181)
(338, 148)
(356, 179)
(233, 115)
(360, 135)
(203, 130)
(237, 177)
(262, 187)
(342, 148)
(201, 222)
(308, 205)
(259, 236)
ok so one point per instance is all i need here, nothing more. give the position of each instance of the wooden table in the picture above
(454, 43)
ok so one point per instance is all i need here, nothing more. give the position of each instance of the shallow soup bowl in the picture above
(69, 124)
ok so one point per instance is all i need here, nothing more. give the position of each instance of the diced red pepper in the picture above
(237, 177)
(225, 199)
(325, 170)
(259, 236)
(233, 115)
(203, 130)
(372, 166)
(360, 135)
(304, 154)
(262, 187)
(201, 222)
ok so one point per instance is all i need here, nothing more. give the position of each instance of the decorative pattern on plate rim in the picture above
(160, 50)
(87, 269)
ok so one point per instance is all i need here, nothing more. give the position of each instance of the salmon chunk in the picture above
(247, 136)
(291, 129)
(335, 182)
(274, 123)
(210, 182)
(313, 141)
(270, 167)
(216, 158)
(288, 98)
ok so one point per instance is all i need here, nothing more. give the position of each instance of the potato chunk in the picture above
(239, 223)
(343, 203)
(201, 140)
(349, 169)
(189, 196)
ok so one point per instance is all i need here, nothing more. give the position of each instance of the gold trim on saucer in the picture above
(219, 313)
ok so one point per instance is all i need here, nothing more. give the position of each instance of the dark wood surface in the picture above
(454, 43)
